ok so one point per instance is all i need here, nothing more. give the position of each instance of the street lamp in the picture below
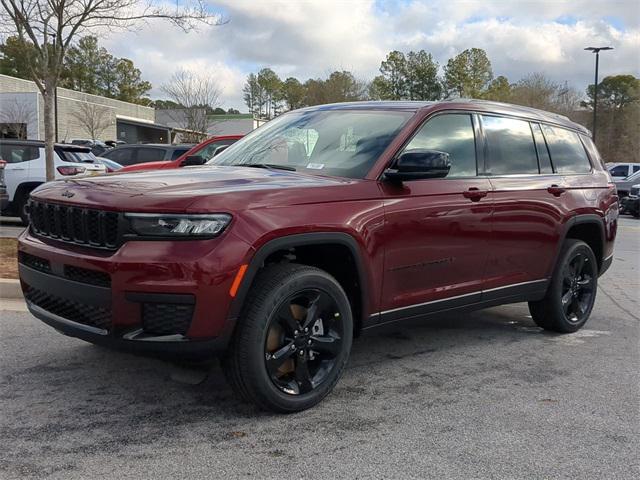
(596, 50)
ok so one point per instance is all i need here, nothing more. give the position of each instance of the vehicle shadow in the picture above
(83, 400)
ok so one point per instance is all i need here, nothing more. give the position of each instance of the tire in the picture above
(576, 285)
(20, 207)
(272, 360)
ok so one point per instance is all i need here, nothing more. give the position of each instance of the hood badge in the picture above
(68, 194)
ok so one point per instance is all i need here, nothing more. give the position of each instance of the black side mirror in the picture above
(193, 160)
(418, 164)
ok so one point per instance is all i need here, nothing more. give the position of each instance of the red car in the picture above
(325, 222)
(198, 155)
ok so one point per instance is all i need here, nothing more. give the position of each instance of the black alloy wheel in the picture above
(578, 281)
(304, 341)
(571, 293)
(293, 338)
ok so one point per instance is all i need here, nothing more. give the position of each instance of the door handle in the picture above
(475, 194)
(556, 190)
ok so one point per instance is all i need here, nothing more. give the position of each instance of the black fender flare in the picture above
(298, 240)
(581, 219)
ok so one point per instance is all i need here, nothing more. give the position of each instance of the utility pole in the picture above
(596, 50)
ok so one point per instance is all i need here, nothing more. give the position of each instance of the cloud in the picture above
(311, 38)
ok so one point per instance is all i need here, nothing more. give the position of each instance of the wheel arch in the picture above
(308, 242)
(590, 229)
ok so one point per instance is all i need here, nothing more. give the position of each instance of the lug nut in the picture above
(295, 332)
(308, 342)
(301, 352)
(306, 329)
(293, 347)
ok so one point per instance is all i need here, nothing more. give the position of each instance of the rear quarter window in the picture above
(567, 152)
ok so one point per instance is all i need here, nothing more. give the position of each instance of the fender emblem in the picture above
(68, 194)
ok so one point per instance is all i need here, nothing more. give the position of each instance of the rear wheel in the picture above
(569, 300)
(293, 339)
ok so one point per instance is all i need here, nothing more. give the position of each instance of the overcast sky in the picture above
(312, 38)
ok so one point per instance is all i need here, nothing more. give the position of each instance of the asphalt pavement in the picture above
(479, 395)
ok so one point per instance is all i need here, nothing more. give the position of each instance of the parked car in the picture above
(143, 153)
(623, 186)
(631, 203)
(622, 170)
(97, 147)
(25, 168)
(4, 196)
(325, 222)
(198, 155)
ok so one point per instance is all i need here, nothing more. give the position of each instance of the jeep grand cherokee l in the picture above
(322, 223)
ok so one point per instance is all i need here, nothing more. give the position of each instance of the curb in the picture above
(10, 288)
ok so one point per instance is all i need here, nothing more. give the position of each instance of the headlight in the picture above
(170, 225)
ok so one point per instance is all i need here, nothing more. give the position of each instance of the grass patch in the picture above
(8, 258)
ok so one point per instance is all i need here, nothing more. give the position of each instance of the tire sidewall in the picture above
(260, 380)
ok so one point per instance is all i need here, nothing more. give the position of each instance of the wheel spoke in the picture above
(566, 301)
(579, 264)
(326, 344)
(317, 307)
(276, 359)
(302, 375)
(585, 282)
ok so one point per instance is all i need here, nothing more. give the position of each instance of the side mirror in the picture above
(193, 160)
(418, 164)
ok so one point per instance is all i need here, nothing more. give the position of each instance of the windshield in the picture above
(343, 143)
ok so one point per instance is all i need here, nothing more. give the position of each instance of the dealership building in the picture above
(22, 110)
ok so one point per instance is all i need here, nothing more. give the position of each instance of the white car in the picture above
(25, 168)
(622, 170)
(623, 186)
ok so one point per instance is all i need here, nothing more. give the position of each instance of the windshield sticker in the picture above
(315, 166)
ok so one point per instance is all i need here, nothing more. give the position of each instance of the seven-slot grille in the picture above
(82, 226)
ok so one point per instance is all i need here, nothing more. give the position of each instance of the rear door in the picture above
(527, 207)
(437, 230)
(122, 155)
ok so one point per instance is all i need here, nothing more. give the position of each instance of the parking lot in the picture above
(482, 395)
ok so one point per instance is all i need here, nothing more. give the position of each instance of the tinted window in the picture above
(619, 171)
(544, 161)
(636, 168)
(18, 153)
(567, 153)
(76, 156)
(150, 155)
(178, 152)
(510, 146)
(453, 134)
(124, 156)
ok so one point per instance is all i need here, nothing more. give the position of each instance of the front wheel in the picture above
(569, 300)
(293, 339)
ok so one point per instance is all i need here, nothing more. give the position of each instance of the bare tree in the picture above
(16, 116)
(50, 27)
(94, 118)
(197, 94)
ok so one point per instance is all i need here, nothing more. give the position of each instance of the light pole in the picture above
(596, 50)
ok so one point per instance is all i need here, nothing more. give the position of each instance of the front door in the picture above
(437, 230)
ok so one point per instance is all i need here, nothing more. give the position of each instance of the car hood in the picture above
(192, 189)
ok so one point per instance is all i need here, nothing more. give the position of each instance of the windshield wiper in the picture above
(270, 166)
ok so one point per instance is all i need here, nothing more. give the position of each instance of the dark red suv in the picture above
(322, 223)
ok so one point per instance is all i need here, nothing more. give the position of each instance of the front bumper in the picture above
(148, 297)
